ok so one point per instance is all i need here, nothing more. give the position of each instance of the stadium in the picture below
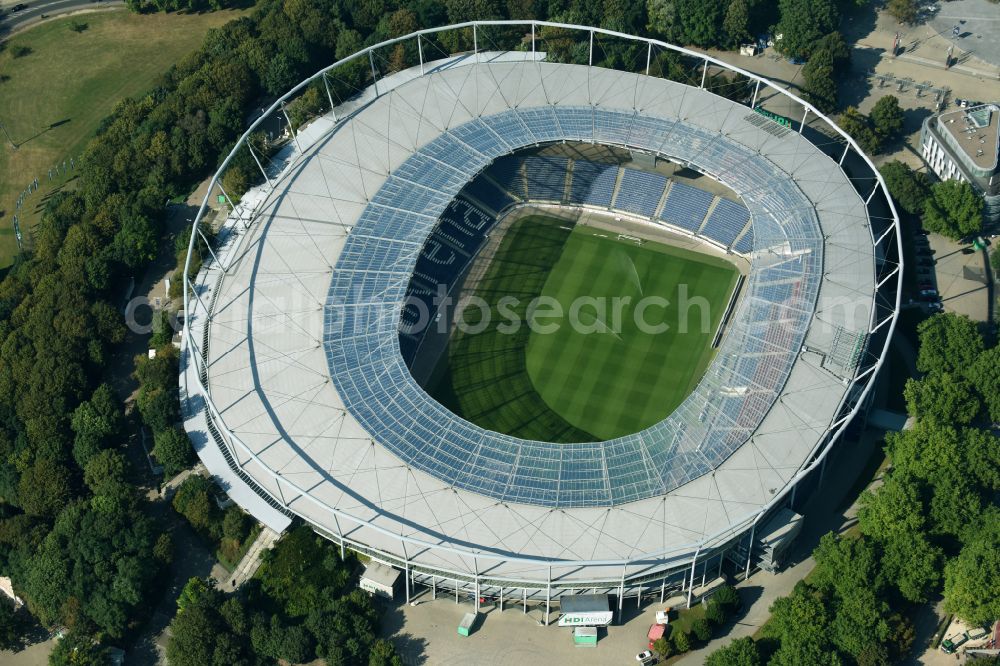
(324, 377)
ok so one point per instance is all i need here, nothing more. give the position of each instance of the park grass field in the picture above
(52, 99)
(619, 378)
(570, 386)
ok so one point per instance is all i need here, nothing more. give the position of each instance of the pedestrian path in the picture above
(251, 560)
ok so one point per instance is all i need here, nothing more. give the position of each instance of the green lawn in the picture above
(53, 99)
(487, 381)
(594, 382)
(609, 377)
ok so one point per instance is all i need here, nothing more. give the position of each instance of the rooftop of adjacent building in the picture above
(977, 131)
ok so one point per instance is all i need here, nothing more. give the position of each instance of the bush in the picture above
(727, 597)
(235, 524)
(662, 647)
(715, 613)
(163, 549)
(163, 329)
(682, 641)
(701, 629)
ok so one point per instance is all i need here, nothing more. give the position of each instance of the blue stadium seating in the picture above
(546, 177)
(745, 244)
(686, 206)
(592, 183)
(509, 173)
(484, 191)
(640, 192)
(726, 222)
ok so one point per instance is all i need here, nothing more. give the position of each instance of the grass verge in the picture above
(54, 96)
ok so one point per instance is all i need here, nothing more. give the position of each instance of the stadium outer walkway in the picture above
(824, 513)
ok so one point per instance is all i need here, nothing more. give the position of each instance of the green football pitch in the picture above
(598, 371)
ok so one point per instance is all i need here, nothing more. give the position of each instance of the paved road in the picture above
(11, 21)
(978, 24)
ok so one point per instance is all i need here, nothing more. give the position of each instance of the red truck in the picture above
(656, 632)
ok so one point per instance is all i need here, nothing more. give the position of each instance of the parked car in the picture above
(935, 306)
(645, 657)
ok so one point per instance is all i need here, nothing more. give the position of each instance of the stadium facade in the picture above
(294, 384)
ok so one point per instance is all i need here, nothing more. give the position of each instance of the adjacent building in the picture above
(963, 145)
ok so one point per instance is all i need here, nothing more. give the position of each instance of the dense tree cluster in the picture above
(930, 526)
(873, 132)
(951, 208)
(830, 59)
(909, 188)
(228, 530)
(954, 209)
(299, 607)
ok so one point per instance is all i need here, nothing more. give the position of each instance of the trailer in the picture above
(655, 633)
(379, 579)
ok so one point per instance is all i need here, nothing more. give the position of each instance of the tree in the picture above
(736, 23)
(172, 448)
(76, 649)
(194, 592)
(830, 57)
(740, 652)
(954, 210)
(985, 377)
(904, 11)
(943, 397)
(847, 569)
(894, 508)
(887, 117)
(193, 500)
(384, 653)
(856, 124)
(301, 570)
(948, 343)
(801, 617)
(194, 637)
(105, 473)
(908, 187)
(803, 23)
(715, 614)
(13, 626)
(163, 549)
(45, 488)
(663, 647)
(695, 22)
(727, 597)
(94, 423)
(894, 515)
(820, 81)
(913, 564)
(970, 579)
(681, 641)
(701, 629)
(234, 524)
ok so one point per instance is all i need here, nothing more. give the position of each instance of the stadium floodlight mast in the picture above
(288, 496)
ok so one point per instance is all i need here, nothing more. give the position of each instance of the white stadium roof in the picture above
(326, 419)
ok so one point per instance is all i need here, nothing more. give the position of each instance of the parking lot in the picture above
(427, 634)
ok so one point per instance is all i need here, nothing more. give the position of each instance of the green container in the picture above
(585, 636)
(465, 626)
